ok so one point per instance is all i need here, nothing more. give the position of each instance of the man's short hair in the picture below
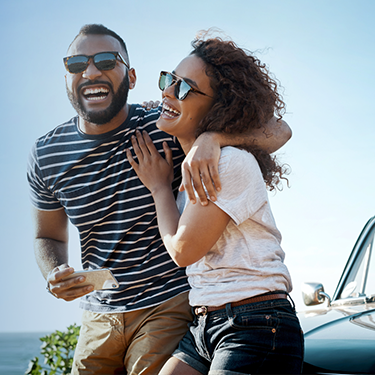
(98, 29)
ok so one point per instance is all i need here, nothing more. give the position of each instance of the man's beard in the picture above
(99, 118)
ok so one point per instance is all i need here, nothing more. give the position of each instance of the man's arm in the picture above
(271, 137)
(51, 253)
(200, 165)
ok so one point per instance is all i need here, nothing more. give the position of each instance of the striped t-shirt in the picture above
(90, 177)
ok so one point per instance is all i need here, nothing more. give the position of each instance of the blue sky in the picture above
(322, 52)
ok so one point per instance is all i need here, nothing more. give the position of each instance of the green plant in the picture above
(58, 350)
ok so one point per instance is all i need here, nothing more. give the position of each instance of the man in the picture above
(80, 171)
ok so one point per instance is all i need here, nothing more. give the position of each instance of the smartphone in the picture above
(101, 279)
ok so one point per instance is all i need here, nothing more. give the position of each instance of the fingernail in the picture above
(81, 279)
(90, 288)
(213, 199)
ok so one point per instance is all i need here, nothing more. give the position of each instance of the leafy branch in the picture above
(58, 350)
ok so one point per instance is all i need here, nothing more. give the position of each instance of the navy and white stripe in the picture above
(90, 177)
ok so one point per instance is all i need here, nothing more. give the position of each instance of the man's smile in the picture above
(94, 94)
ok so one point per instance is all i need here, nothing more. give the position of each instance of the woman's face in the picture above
(181, 117)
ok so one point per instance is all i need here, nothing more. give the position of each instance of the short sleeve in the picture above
(41, 197)
(243, 190)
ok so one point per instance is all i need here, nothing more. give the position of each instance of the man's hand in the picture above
(151, 104)
(68, 290)
(201, 167)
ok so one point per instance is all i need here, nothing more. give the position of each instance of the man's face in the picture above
(97, 95)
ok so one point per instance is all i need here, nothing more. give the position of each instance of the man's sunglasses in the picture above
(102, 60)
(181, 89)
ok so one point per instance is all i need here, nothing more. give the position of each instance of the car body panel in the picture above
(340, 336)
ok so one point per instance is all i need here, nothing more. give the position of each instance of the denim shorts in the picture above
(257, 338)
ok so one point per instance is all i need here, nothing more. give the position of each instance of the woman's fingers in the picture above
(131, 160)
(168, 153)
(146, 144)
(137, 150)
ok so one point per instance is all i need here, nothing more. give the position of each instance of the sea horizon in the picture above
(17, 349)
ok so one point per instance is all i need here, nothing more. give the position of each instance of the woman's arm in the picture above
(198, 229)
(189, 237)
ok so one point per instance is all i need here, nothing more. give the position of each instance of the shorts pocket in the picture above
(245, 321)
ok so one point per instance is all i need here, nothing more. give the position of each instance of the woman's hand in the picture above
(153, 170)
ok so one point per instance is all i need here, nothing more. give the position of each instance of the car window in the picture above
(361, 280)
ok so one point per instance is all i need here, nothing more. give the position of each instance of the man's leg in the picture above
(156, 333)
(101, 346)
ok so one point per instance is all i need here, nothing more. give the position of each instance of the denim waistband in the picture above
(269, 299)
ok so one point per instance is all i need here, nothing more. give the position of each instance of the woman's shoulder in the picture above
(235, 162)
(235, 156)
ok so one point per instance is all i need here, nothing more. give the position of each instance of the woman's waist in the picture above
(269, 296)
(221, 294)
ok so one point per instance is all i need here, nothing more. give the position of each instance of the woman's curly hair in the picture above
(246, 98)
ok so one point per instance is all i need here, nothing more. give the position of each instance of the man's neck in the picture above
(94, 129)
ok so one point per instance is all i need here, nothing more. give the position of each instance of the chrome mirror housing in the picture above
(313, 294)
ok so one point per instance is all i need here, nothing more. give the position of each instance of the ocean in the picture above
(17, 349)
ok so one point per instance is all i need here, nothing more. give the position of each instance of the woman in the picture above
(243, 321)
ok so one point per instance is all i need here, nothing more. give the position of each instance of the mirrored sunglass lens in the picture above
(105, 61)
(162, 82)
(165, 81)
(184, 89)
(77, 64)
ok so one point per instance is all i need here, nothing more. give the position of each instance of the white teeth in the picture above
(167, 108)
(168, 114)
(96, 98)
(89, 91)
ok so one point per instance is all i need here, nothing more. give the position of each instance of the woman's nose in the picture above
(169, 91)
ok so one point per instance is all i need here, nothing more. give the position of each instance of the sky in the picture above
(323, 54)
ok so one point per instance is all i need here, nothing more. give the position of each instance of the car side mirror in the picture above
(313, 294)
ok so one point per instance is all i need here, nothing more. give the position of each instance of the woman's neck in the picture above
(186, 144)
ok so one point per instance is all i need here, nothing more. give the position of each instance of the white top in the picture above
(247, 260)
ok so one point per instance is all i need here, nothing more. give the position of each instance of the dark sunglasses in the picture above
(181, 89)
(102, 60)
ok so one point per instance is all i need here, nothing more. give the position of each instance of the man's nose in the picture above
(91, 72)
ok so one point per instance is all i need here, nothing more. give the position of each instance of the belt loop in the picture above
(291, 300)
(228, 309)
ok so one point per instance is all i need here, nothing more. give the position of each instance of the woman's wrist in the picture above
(161, 189)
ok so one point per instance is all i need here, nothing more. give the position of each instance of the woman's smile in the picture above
(168, 111)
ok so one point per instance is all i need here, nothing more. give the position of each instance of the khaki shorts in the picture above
(136, 342)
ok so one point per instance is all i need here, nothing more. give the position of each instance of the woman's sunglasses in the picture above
(102, 60)
(181, 89)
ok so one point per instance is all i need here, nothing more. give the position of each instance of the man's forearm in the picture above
(50, 254)
(270, 137)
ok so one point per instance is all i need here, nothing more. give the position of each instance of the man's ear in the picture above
(132, 78)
